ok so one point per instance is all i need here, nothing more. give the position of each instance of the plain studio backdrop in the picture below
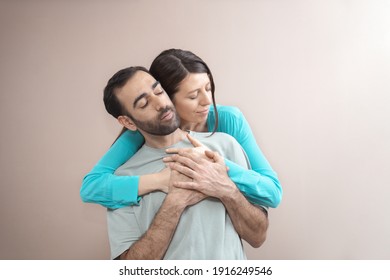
(311, 77)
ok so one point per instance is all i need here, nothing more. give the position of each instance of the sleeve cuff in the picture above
(125, 192)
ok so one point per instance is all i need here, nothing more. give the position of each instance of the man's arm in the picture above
(250, 222)
(210, 177)
(155, 242)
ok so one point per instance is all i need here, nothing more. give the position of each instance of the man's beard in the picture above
(156, 126)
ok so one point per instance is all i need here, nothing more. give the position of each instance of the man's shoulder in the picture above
(216, 138)
(144, 159)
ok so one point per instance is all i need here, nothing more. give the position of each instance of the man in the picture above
(184, 223)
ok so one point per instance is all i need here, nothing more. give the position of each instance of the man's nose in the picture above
(159, 103)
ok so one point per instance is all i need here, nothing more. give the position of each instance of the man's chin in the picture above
(164, 131)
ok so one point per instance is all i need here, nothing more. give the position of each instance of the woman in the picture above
(189, 83)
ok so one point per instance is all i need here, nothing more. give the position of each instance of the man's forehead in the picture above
(140, 83)
(142, 80)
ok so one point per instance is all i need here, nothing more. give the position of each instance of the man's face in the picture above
(149, 107)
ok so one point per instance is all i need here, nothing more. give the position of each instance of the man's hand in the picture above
(183, 196)
(207, 171)
(210, 178)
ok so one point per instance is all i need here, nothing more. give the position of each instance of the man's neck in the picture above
(160, 142)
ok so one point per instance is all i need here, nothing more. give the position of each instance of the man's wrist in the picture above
(174, 203)
(230, 192)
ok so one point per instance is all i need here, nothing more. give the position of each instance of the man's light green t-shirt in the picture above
(205, 230)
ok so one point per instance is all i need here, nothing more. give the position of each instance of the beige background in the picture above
(312, 78)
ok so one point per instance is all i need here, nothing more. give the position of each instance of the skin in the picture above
(208, 174)
(154, 243)
(145, 100)
(192, 102)
(197, 173)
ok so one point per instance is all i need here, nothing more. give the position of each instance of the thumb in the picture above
(193, 141)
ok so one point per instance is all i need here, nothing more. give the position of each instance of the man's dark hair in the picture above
(120, 78)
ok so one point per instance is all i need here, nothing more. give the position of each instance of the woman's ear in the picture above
(127, 122)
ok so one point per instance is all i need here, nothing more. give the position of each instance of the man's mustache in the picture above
(166, 109)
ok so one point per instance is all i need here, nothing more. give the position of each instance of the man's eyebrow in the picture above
(155, 84)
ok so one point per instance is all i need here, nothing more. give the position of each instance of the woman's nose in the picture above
(206, 98)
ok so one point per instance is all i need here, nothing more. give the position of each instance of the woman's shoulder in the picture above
(230, 119)
(229, 113)
(228, 110)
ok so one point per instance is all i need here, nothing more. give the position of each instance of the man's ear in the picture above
(127, 122)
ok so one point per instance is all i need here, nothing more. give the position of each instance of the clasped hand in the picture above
(205, 170)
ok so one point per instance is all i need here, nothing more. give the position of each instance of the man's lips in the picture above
(167, 116)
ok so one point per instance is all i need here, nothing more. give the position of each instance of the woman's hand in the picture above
(198, 148)
(207, 171)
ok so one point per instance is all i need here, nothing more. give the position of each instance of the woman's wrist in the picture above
(153, 182)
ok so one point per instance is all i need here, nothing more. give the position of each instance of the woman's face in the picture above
(193, 100)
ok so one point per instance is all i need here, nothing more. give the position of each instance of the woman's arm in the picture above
(260, 185)
(101, 186)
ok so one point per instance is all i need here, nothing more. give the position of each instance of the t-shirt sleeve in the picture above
(123, 230)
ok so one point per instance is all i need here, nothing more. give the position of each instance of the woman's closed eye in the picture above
(193, 96)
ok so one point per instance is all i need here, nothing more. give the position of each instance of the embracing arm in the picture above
(211, 179)
(101, 186)
(260, 185)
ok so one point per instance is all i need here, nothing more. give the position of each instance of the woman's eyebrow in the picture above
(156, 83)
(208, 84)
(193, 91)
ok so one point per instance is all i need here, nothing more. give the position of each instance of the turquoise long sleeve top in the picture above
(260, 185)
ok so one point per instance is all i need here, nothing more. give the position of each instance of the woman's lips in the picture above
(203, 112)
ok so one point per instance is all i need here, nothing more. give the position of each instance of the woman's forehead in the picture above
(194, 80)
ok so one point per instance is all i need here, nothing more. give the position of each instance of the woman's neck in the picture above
(199, 127)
